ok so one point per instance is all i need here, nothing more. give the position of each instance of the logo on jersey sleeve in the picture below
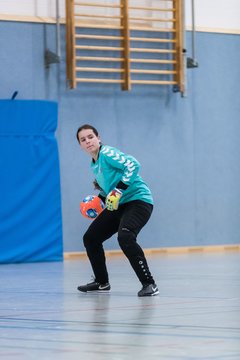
(121, 160)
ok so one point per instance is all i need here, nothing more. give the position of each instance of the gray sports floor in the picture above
(195, 316)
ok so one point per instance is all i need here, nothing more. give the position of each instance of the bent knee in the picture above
(87, 239)
(126, 239)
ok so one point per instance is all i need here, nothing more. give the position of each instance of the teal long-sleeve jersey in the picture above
(112, 167)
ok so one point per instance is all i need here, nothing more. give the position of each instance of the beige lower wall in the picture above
(164, 251)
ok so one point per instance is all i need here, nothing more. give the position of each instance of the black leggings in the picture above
(127, 221)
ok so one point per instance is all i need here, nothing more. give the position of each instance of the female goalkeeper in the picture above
(129, 205)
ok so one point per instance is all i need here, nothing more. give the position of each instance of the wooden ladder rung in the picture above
(153, 61)
(98, 26)
(151, 19)
(89, 80)
(98, 16)
(95, 69)
(159, 51)
(153, 40)
(151, 8)
(98, 58)
(161, 72)
(107, 37)
(154, 82)
(98, 5)
(102, 48)
(145, 28)
(98, 37)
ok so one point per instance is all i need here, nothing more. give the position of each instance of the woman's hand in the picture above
(113, 198)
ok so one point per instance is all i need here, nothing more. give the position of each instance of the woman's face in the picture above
(89, 141)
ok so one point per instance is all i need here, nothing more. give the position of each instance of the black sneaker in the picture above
(94, 286)
(148, 290)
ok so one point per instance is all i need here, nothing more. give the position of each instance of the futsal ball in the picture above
(91, 206)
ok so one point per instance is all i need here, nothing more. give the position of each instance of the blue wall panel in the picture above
(30, 212)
